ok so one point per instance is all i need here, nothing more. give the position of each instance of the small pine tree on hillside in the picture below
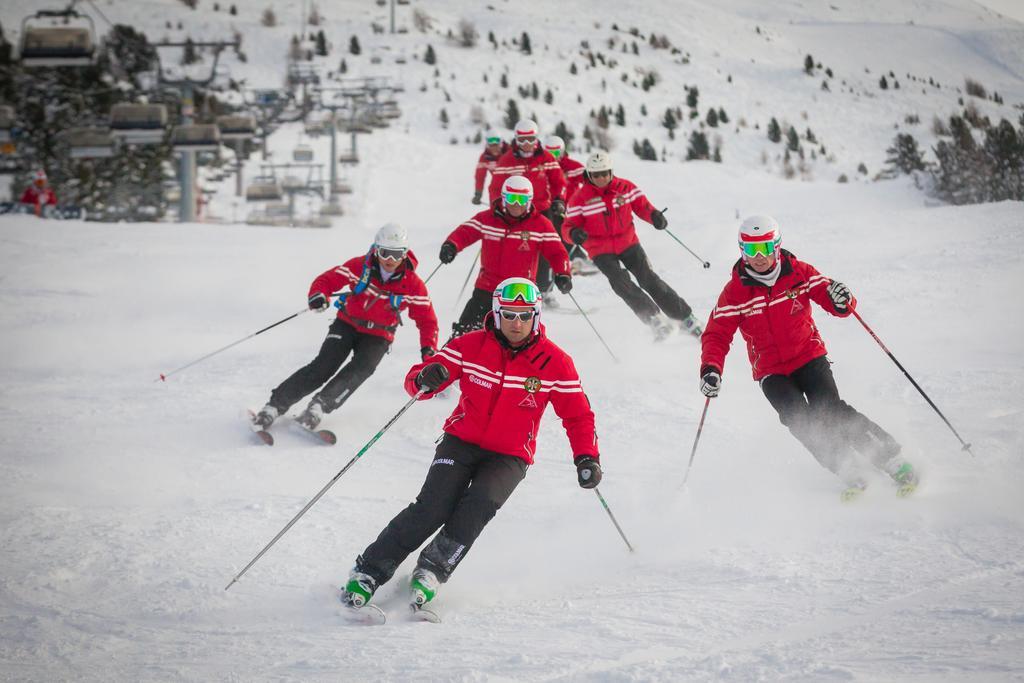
(534, 91)
(233, 11)
(511, 114)
(524, 44)
(602, 117)
(774, 130)
(503, 81)
(792, 140)
(698, 148)
(321, 44)
(430, 57)
(444, 118)
(670, 122)
(620, 116)
(562, 131)
(712, 118)
(883, 84)
(343, 67)
(572, 69)
(353, 46)
(691, 98)
(268, 18)
(549, 97)
(809, 65)
(904, 156)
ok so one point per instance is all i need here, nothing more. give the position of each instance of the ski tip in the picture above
(370, 615)
(266, 437)
(327, 436)
(421, 613)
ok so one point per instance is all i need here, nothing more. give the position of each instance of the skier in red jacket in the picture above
(383, 284)
(507, 373)
(573, 171)
(769, 299)
(39, 194)
(527, 158)
(513, 236)
(600, 218)
(494, 147)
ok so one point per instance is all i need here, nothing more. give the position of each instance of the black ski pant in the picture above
(545, 276)
(465, 486)
(808, 403)
(472, 318)
(618, 267)
(342, 339)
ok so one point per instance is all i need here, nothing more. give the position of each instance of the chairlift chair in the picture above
(140, 124)
(90, 143)
(45, 44)
(302, 153)
(196, 137)
(263, 189)
(237, 127)
(6, 122)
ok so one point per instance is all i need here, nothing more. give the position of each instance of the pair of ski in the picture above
(372, 615)
(324, 436)
(854, 493)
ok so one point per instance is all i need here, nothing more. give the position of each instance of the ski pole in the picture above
(700, 428)
(609, 511)
(436, 268)
(587, 318)
(336, 477)
(163, 376)
(966, 446)
(670, 234)
(462, 291)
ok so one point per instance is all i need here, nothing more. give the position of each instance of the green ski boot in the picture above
(423, 586)
(359, 589)
(906, 480)
(853, 492)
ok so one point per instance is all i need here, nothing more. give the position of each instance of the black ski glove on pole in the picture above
(432, 376)
(319, 302)
(588, 472)
(658, 220)
(578, 235)
(564, 283)
(448, 252)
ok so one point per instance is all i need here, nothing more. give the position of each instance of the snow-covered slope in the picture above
(128, 504)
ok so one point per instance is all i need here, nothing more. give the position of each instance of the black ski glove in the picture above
(448, 252)
(427, 351)
(588, 471)
(840, 295)
(658, 220)
(564, 283)
(432, 376)
(710, 382)
(558, 207)
(319, 302)
(578, 235)
(476, 197)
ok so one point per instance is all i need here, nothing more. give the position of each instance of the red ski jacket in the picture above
(33, 196)
(486, 165)
(374, 306)
(774, 321)
(511, 245)
(540, 168)
(607, 216)
(505, 392)
(573, 171)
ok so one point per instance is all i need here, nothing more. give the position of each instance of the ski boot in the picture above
(906, 479)
(423, 586)
(853, 491)
(359, 589)
(691, 325)
(265, 417)
(662, 330)
(311, 416)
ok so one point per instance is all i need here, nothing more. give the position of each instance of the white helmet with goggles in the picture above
(599, 162)
(493, 137)
(759, 235)
(516, 296)
(392, 241)
(556, 145)
(517, 189)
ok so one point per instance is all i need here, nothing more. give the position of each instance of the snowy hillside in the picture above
(127, 504)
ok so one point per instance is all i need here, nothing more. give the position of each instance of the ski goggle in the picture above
(517, 198)
(555, 152)
(514, 292)
(390, 254)
(752, 249)
(524, 316)
(527, 139)
(494, 141)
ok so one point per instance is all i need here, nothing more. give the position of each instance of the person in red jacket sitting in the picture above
(528, 158)
(39, 194)
(507, 373)
(600, 218)
(769, 299)
(514, 235)
(383, 284)
(494, 147)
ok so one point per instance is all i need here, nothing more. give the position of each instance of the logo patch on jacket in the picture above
(796, 308)
(532, 385)
(524, 243)
(528, 402)
(476, 380)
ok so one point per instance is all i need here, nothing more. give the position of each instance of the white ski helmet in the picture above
(759, 235)
(391, 236)
(526, 128)
(516, 292)
(599, 161)
(514, 188)
(493, 137)
(555, 145)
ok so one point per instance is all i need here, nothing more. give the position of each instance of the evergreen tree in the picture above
(233, 11)
(904, 156)
(444, 118)
(691, 98)
(562, 131)
(774, 130)
(643, 109)
(1004, 152)
(698, 148)
(722, 116)
(549, 97)
(503, 81)
(353, 46)
(430, 57)
(647, 151)
(883, 84)
(534, 90)
(343, 67)
(620, 116)
(792, 140)
(602, 117)
(189, 55)
(511, 114)
(321, 44)
(670, 122)
(712, 118)
(809, 65)
(524, 44)
(268, 18)
(572, 69)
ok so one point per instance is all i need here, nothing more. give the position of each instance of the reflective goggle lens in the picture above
(493, 141)
(752, 249)
(517, 198)
(527, 140)
(391, 254)
(526, 292)
(556, 153)
(525, 316)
